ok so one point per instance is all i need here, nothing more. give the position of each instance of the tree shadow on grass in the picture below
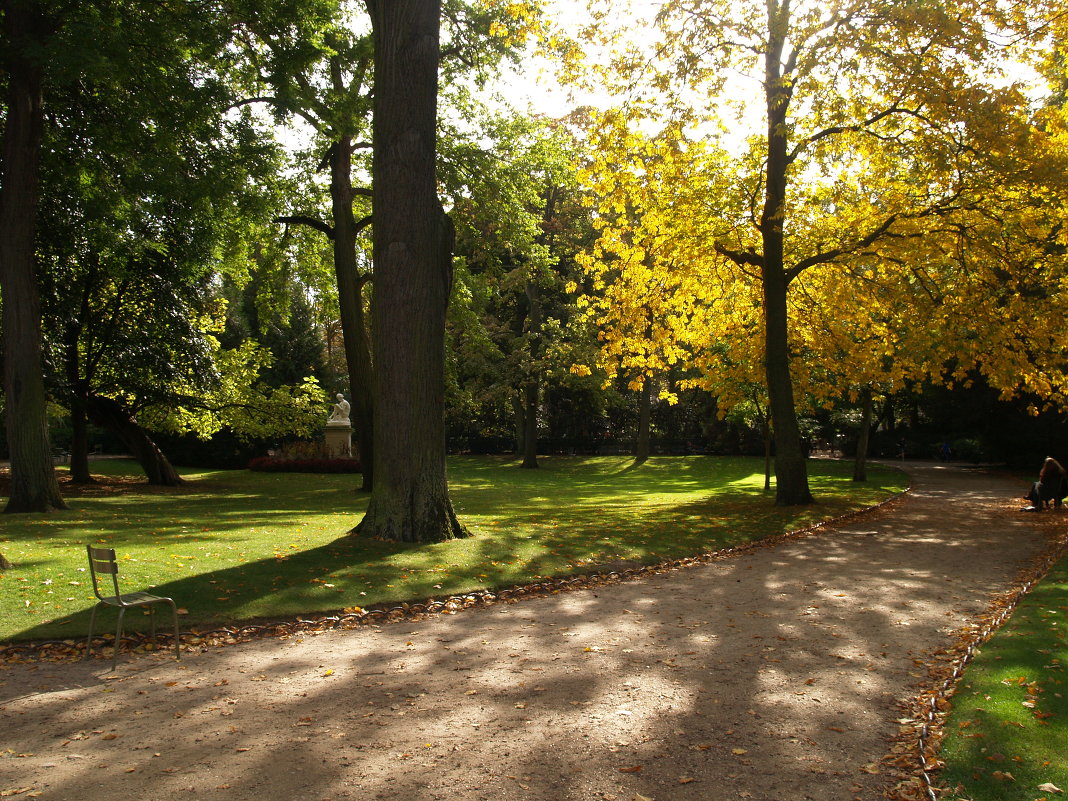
(574, 517)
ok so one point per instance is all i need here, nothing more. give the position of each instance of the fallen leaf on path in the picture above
(631, 769)
(739, 751)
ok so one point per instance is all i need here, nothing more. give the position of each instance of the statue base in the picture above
(339, 440)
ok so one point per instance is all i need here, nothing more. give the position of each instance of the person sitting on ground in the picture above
(1049, 487)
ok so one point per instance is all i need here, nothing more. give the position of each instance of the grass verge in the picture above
(236, 545)
(1005, 737)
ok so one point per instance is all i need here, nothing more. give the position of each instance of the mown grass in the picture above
(237, 545)
(1007, 733)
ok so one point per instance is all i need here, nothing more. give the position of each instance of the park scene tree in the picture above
(765, 260)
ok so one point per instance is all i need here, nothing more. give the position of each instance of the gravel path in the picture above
(775, 676)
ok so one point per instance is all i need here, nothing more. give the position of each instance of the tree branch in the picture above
(740, 257)
(311, 222)
(860, 127)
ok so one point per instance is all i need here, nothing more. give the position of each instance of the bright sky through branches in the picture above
(535, 87)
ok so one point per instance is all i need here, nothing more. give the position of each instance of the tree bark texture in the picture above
(860, 464)
(79, 446)
(791, 470)
(530, 425)
(413, 242)
(110, 414)
(34, 487)
(350, 303)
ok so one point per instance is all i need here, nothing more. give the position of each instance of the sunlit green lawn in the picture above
(237, 545)
(1007, 734)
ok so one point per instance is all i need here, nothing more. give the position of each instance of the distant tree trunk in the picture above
(645, 407)
(79, 446)
(530, 424)
(34, 487)
(79, 392)
(413, 241)
(860, 470)
(350, 302)
(110, 414)
(791, 470)
(519, 420)
(886, 417)
(765, 427)
(519, 417)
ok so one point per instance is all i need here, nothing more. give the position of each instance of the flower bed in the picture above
(275, 464)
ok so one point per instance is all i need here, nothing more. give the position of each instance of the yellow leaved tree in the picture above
(882, 140)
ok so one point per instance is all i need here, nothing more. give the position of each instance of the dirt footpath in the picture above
(772, 676)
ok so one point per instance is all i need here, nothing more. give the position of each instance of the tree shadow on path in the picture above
(771, 675)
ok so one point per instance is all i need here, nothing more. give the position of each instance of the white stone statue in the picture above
(340, 414)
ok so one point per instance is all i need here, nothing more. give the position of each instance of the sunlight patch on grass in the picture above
(1006, 735)
(236, 545)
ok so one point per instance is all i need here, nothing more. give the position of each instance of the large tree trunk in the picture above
(350, 302)
(791, 470)
(34, 487)
(645, 414)
(530, 424)
(109, 414)
(860, 469)
(413, 241)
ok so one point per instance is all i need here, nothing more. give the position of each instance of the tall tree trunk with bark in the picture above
(791, 470)
(109, 414)
(350, 303)
(413, 242)
(34, 487)
(530, 424)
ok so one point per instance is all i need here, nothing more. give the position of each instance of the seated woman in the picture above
(1051, 486)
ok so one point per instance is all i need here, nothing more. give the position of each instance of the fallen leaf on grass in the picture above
(1049, 787)
(1003, 775)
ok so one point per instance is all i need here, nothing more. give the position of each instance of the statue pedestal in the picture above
(339, 439)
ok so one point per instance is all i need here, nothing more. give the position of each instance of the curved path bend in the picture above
(773, 676)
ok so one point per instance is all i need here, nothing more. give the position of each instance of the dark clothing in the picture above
(1049, 488)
